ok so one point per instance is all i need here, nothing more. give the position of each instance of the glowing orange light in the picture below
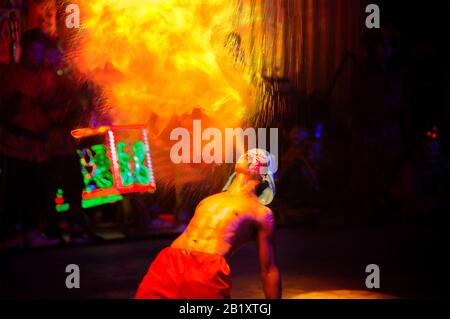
(163, 57)
(159, 61)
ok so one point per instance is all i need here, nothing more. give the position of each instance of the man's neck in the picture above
(244, 185)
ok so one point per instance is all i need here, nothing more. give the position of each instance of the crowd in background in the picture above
(374, 149)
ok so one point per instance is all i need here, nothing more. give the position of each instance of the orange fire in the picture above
(163, 63)
(165, 58)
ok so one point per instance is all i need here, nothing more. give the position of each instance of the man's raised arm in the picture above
(269, 273)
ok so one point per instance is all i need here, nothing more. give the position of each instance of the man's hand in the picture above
(269, 273)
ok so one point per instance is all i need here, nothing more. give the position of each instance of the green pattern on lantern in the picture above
(97, 201)
(141, 173)
(132, 167)
(95, 167)
(124, 164)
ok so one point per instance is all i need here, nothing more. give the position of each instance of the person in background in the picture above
(23, 136)
(420, 189)
(367, 129)
(64, 109)
(298, 177)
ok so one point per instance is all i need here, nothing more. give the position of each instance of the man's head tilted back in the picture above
(258, 164)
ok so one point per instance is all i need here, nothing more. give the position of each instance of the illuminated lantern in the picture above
(60, 205)
(114, 160)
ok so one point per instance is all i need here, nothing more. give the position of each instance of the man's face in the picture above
(34, 53)
(252, 165)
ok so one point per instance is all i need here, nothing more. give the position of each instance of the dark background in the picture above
(334, 216)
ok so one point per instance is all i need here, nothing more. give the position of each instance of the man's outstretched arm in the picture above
(269, 273)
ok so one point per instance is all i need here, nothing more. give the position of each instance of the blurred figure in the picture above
(421, 187)
(368, 123)
(298, 178)
(23, 135)
(63, 106)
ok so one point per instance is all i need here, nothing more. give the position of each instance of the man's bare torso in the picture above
(222, 223)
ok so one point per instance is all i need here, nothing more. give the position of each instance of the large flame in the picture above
(163, 63)
(165, 57)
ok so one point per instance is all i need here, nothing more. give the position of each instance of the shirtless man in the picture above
(195, 265)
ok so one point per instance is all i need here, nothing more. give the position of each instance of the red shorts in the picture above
(182, 274)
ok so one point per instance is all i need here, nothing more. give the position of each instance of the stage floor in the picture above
(313, 263)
